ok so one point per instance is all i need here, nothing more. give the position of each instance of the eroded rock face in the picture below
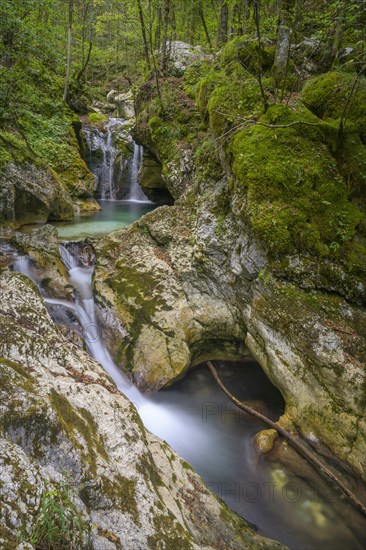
(155, 277)
(31, 194)
(69, 438)
(182, 285)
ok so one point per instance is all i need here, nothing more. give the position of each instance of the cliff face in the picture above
(76, 462)
(261, 253)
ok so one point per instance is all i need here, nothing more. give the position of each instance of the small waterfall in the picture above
(84, 311)
(135, 193)
(102, 162)
(102, 155)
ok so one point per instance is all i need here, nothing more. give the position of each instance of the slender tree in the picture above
(143, 32)
(285, 30)
(69, 44)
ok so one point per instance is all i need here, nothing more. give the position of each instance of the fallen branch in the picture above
(309, 455)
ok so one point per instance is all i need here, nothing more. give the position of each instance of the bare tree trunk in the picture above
(305, 451)
(69, 43)
(223, 23)
(158, 30)
(163, 53)
(256, 5)
(283, 41)
(143, 32)
(202, 17)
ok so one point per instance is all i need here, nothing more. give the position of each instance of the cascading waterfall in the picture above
(84, 310)
(102, 162)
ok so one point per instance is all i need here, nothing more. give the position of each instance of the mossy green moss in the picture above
(245, 50)
(54, 141)
(232, 102)
(204, 89)
(76, 424)
(14, 148)
(97, 118)
(330, 95)
(296, 198)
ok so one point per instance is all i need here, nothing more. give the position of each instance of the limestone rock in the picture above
(70, 439)
(125, 105)
(31, 194)
(182, 55)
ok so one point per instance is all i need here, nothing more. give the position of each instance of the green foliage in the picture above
(97, 118)
(58, 523)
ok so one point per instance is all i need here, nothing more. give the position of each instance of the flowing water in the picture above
(116, 174)
(201, 424)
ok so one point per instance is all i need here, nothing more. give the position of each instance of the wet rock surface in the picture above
(70, 439)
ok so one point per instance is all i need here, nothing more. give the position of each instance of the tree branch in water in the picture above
(307, 453)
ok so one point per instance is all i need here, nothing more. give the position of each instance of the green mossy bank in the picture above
(42, 175)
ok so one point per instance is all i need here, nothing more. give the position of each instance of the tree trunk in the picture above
(164, 46)
(283, 41)
(69, 42)
(143, 32)
(202, 17)
(223, 23)
(158, 30)
(256, 6)
(8, 44)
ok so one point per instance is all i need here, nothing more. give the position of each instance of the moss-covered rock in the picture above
(296, 198)
(336, 94)
(245, 49)
(31, 193)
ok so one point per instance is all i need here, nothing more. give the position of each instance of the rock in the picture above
(31, 194)
(194, 281)
(150, 174)
(70, 439)
(87, 205)
(182, 55)
(125, 105)
(39, 254)
(264, 441)
(111, 95)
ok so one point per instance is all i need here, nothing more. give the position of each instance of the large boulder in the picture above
(31, 193)
(76, 463)
(182, 55)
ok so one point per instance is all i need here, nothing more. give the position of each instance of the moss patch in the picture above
(296, 198)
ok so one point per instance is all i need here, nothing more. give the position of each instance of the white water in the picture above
(135, 193)
(105, 170)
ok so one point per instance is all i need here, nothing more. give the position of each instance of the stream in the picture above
(199, 422)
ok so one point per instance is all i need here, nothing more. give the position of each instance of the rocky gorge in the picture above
(262, 255)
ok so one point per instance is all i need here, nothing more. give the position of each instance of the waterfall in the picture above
(102, 162)
(85, 311)
(135, 193)
(101, 144)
